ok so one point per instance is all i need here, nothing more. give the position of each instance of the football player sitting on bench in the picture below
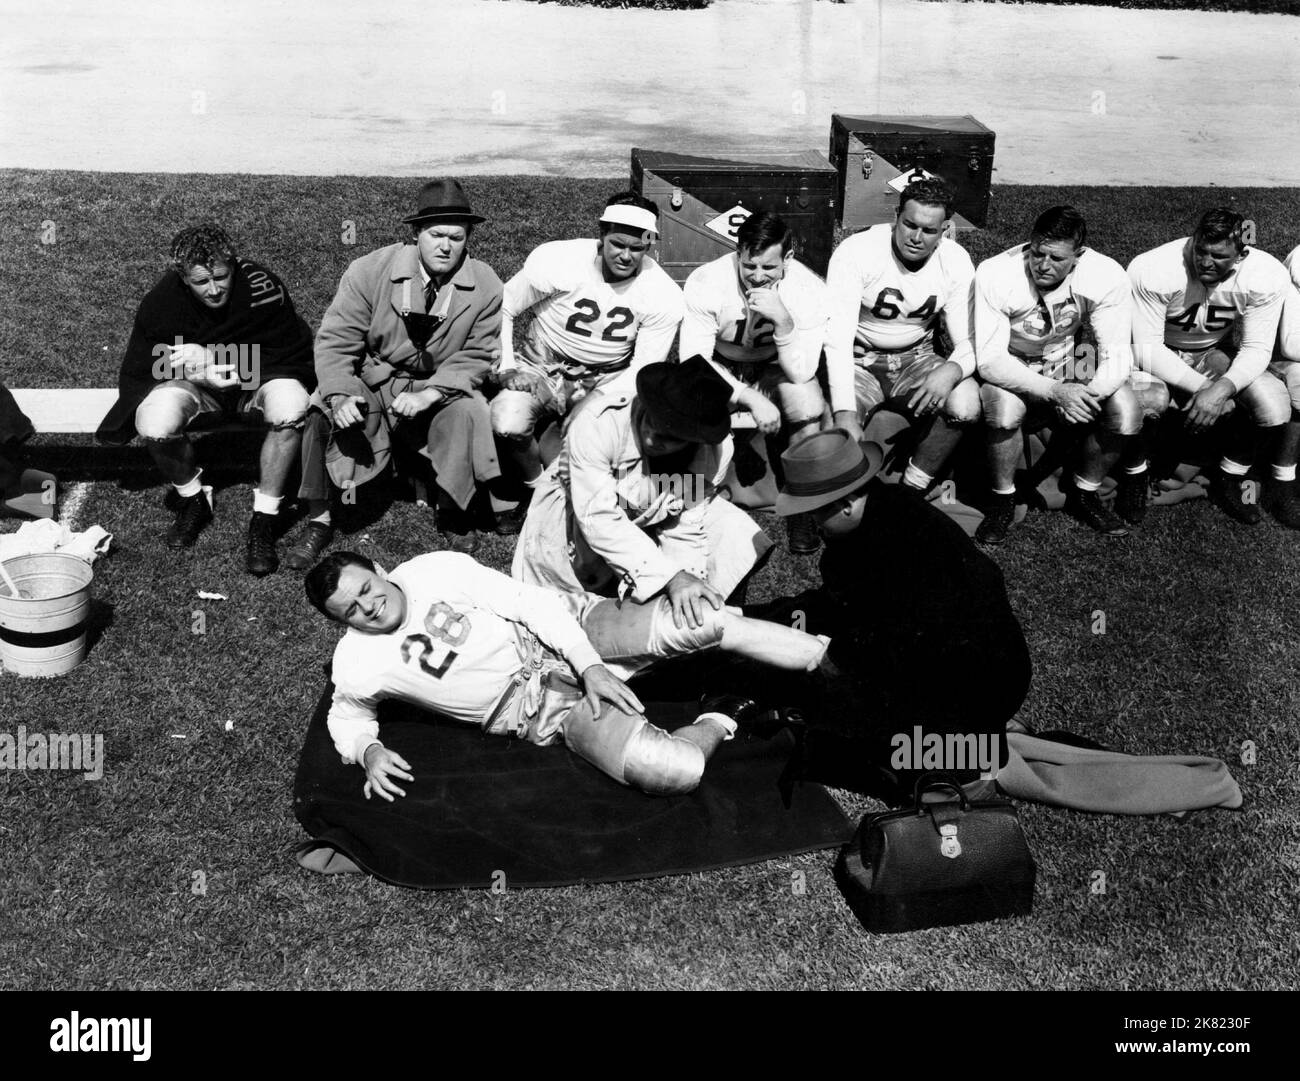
(599, 307)
(760, 314)
(1188, 295)
(1031, 303)
(889, 286)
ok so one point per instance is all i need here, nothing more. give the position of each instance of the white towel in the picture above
(47, 535)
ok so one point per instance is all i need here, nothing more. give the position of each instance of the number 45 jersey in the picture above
(1173, 308)
(877, 302)
(584, 324)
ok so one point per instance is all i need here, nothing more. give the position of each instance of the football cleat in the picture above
(1228, 493)
(999, 517)
(1088, 508)
(192, 514)
(1132, 496)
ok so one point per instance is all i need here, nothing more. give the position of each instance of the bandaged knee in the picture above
(668, 640)
(662, 764)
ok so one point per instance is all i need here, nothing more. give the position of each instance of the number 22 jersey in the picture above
(584, 321)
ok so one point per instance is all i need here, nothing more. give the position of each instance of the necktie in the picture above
(430, 294)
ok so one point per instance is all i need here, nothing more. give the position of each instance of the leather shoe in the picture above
(314, 540)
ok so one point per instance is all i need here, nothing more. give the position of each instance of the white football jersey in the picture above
(1043, 326)
(1288, 333)
(1191, 315)
(877, 302)
(719, 324)
(455, 652)
(588, 322)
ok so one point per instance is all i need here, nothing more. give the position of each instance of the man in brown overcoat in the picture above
(402, 352)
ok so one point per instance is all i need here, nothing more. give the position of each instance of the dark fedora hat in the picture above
(442, 200)
(824, 467)
(686, 401)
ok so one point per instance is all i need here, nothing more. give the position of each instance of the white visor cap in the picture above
(633, 217)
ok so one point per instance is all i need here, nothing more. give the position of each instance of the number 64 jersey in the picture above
(585, 322)
(878, 302)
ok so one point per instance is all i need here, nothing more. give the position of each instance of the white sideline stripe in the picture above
(70, 506)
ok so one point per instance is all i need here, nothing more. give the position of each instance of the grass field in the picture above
(174, 870)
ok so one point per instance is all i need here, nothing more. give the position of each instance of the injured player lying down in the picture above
(445, 633)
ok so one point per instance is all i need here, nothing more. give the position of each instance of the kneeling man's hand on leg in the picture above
(600, 684)
(382, 765)
(688, 595)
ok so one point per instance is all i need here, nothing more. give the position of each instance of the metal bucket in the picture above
(43, 630)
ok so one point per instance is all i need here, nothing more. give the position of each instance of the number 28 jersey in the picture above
(456, 650)
(585, 322)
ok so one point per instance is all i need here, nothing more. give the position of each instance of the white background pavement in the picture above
(1089, 95)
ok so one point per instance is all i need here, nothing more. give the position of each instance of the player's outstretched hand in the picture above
(382, 765)
(1208, 404)
(934, 389)
(1075, 402)
(688, 595)
(601, 685)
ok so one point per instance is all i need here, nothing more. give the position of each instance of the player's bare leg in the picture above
(175, 459)
(279, 452)
(933, 452)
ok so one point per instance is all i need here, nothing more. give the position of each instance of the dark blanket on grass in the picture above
(486, 804)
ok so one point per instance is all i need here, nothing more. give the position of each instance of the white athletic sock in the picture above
(916, 478)
(190, 488)
(1234, 469)
(1005, 491)
(499, 505)
(721, 719)
(1134, 470)
(323, 518)
(1086, 485)
(266, 504)
(1284, 472)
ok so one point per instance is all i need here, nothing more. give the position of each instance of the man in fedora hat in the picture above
(599, 307)
(631, 506)
(918, 615)
(402, 352)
